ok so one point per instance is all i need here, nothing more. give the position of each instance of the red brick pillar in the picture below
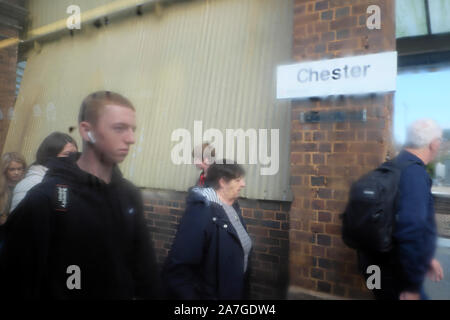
(327, 157)
(12, 16)
(8, 64)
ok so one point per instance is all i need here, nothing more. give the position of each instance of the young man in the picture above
(404, 269)
(81, 234)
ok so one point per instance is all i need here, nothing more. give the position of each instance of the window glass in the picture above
(439, 16)
(19, 75)
(411, 18)
(425, 94)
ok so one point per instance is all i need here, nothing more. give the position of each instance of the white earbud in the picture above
(91, 137)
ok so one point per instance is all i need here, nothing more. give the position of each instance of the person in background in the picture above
(203, 158)
(13, 166)
(209, 258)
(56, 144)
(404, 269)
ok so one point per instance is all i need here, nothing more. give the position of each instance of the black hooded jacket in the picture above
(76, 237)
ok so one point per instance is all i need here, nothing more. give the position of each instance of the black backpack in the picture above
(369, 218)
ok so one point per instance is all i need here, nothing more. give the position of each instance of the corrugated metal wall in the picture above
(47, 12)
(213, 61)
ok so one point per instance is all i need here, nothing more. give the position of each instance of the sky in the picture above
(422, 94)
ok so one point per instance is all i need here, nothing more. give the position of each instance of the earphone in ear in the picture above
(91, 137)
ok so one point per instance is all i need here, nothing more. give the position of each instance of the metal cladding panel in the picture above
(43, 13)
(208, 61)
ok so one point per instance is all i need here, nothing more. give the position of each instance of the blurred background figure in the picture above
(57, 144)
(13, 166)
(203, 158)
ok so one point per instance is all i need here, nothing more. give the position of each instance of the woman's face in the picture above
(68, 148)
(15, 172)
(232, 189)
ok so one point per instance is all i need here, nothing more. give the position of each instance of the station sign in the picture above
(373, 73)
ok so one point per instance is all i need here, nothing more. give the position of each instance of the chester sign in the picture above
(344, 76)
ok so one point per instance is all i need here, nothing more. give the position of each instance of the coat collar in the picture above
(408, 156)
(220, 218)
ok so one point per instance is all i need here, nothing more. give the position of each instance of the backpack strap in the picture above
(401, 165)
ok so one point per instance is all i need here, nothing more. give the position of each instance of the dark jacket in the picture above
(73, 218)
(206, 260)
(414, 238)
(415, 230)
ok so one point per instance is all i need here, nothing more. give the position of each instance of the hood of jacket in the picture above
(208, 196)
(204, 195)
(36, 170)
(67, 169)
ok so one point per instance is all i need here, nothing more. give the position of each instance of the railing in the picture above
(442, 210)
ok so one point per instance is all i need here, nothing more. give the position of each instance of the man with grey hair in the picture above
(424, 137)
(403, 270)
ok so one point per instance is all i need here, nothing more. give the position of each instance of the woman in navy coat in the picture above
(210, 253)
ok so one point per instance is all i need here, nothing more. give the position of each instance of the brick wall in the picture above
(8, 63)
(268, 227)
(327, 157)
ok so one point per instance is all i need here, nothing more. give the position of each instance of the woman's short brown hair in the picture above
(226, 169)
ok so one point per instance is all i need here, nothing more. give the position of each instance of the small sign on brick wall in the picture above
(333, 116)
(371, 73)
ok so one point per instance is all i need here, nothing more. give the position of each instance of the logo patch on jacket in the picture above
(62, 197)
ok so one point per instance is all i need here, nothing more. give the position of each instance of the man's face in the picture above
(114, 133)
(15, 172)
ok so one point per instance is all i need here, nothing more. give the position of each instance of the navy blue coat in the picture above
(206, 260)
(415, 230)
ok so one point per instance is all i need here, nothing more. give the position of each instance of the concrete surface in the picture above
(441, 290)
